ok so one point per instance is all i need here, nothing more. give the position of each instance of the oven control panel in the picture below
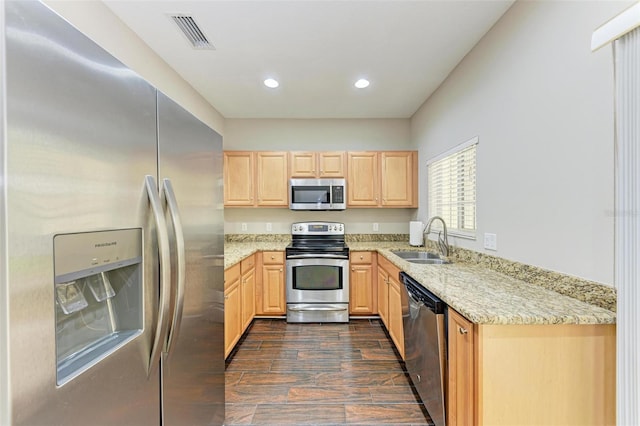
(317, 228)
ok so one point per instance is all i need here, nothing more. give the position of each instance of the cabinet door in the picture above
(361, 297)
(232, 316)
(302, 164)
(273, 290)
(383, 296)
(238, 178)
(398, 176)
(460, 387)
(271, 179)
(248, 297)
(331, 164)
(396, 329)
(362, 179)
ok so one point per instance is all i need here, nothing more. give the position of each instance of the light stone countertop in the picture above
(235, 252)
(480, 294)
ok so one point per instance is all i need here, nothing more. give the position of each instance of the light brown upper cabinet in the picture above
(255, 179)
(271, 179)
(382, 179)
(239, 178)
(399, 178)
(309, 164)
(362, 179)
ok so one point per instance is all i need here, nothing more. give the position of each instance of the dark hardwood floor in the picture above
(319, 374)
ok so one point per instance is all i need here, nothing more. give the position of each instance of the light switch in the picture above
(490, 241)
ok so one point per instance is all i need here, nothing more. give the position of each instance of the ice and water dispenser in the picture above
(98, 296)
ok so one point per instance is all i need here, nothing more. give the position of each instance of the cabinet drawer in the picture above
(248, 263)
(273, 257)
(361, 257)
(231, 275)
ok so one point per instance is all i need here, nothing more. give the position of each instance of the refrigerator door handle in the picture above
(164, 255)
(168, 195)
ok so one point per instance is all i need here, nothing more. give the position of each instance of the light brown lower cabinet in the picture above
(232, 308)
(239, 301)
(248, 286)
(383, 294)
(396, 327)
(460, 384)
(390, 301)
(363, 292)
(270, 290)
(557, 374)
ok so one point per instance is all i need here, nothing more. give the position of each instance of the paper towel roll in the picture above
(415, 233)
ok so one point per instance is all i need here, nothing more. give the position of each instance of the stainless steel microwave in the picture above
(317, 194)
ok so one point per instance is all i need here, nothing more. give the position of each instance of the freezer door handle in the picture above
(169, 197)
(164, 255)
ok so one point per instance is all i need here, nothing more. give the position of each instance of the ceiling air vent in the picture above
(191, 30)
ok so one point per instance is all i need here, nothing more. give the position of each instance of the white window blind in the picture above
(452, 188)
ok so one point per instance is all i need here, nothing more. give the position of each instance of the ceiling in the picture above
(316, 49)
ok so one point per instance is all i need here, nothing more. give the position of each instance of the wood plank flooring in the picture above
(319, 374)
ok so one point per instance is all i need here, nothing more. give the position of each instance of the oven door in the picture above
(317, 280)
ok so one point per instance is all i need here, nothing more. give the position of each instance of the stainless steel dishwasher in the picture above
(425, 346)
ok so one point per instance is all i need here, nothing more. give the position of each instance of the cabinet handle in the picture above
(280, 269)
(361, 257)
(226, 298)
(353, 269)
(273, 257)
(463, 330)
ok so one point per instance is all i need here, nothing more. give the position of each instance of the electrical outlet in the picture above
(490, 241)
(243, 227)
(375, 227)
(269, 227)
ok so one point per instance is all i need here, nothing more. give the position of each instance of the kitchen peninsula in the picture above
(518, 352)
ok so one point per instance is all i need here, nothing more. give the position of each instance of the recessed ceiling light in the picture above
(271, 83)
(362, 83)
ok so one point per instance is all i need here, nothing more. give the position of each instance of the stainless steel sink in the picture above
(428, 261)
(421, 257)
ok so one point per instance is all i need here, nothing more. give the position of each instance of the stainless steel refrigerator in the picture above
(111, 239)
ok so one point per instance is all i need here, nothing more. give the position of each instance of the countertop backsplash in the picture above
(257, 238)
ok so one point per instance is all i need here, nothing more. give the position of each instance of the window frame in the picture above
(451, 153)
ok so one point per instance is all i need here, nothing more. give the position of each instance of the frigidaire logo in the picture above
(110, 243)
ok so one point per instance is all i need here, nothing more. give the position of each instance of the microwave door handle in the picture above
(170, 198)
(331, 195)
(165, 274)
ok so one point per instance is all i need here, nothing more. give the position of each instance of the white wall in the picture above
(97, 21)
(317, 135)
(542, 105)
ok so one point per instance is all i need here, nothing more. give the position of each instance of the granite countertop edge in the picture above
(481, 295)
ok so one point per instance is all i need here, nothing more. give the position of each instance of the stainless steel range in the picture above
(317, 273)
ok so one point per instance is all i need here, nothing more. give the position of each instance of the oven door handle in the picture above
(317, 308)
(315, 256)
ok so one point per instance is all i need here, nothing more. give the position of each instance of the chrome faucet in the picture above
(443, 243)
